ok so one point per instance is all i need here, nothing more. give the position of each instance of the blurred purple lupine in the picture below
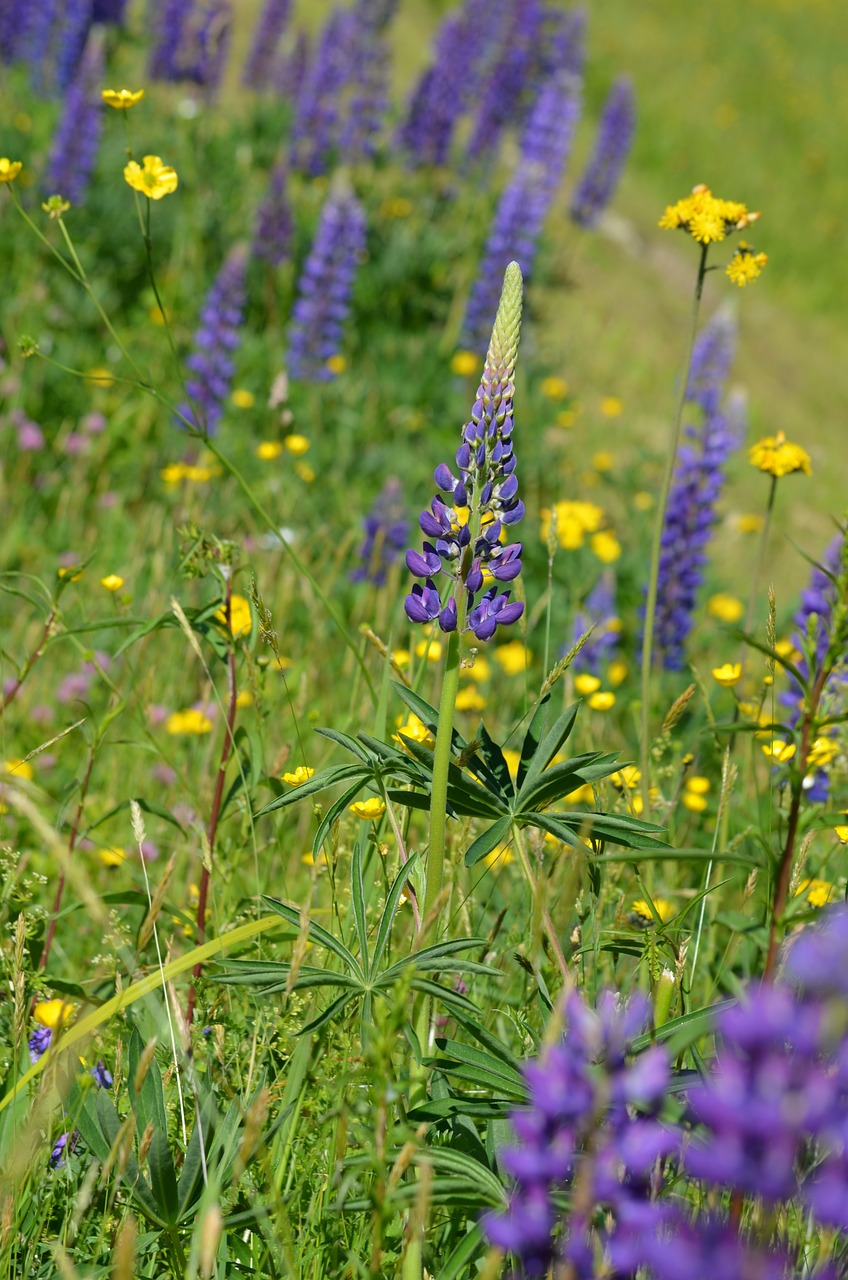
(325, 287)
(207, 44)
(274, 221)
(289, 71)
(266, 37)
(386, 530)
(481, 503)
(68, 38)
(368, 97)
(211, 362)
(612, 147)
(562, 46)
(451, 81)
(598, 611)
(73, 152)
(109, 11)
(39, 1043)
(696, 486)
(168, 19)
(316, 123)
(503, 97)
(524, 204)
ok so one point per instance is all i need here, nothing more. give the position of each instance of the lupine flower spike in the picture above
(612, 147)
(211, 363)
(464, 530)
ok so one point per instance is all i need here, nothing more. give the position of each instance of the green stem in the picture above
(656, 544)
(761, 556)
(441, 765)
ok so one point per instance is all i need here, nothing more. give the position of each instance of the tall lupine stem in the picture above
(656, 541)
(467, 539)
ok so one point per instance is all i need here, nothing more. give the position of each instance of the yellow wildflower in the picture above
(566, 418)
(694, 802)
(305, 472)
(268, 450)
(121, 99)
(500, 856)
(20, 769)
(429, 649)
(745, 265)
(778, 750)
(603, 460)
(585, 684)
(612, 407)
(241, 621)
(697, 784)
(464, 363)
(298, 445)
(301, 774)
(605, 545)
(53, 1013)
(554, 388)
(112, 857)
(369, 810)
(583, 795)
(155, 180)
(415, 728)
(309, 859)
(242, 398)
(401, 657)
(470, 699)
(822, 752)
(513, 658)
(841, 833)
(71, 574)
(642, 917)
(477, 669)
(112, 582)
(336, 364)
(627, 777)
(188, 722)
(706, 217)
(396, 207)
(725, 608)
(617, 673)
(784, 648)
(750, 523)
(727, 675)
(817, 892)
(100, 377)
(244, 698)
(643, 501)
(777, 456)
(603, 700)
(9, 169)
(574, 521)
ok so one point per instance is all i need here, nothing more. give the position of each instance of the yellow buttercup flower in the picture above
(642, 917)
(187, 723)
(745, 265)
(728, 675)
(470, 699)
(750, 523)
(513, 658)
(242, 398)
(499, 857)
(53, 1013)
(817, 892)
(612, 407)
(122, 99)
(605, 546)
(241, 621)
(554, 388)
(244, 698)
(617, 672)
(336, 364)
(627, 778)
(305, 472)
(697, 784)
(464, 363)
(19, 768)
(479, 669)
(694, 802)
(415, 729)
(112, 582)
(298, 445)
(778, 750)
(725, 608)
(9, 169)
(841, 833)
(369, 810)
(777, 456)
(154, 180)
(112, 857)
(583, 795)
(573, 521)
(429, 649)
(300, 775)
(584, 684)
(822, 752)
(603, 700)
(268, 450)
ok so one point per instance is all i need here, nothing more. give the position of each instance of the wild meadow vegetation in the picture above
(424, 604)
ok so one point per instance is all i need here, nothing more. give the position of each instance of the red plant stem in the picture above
(60, 888)
(212, 830)
(787, 858)
(31, 661)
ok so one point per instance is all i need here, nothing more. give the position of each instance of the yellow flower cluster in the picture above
(705, 217)
(177, 471)
(575, 522)
(695, 793)
(9, 169)
(817, 892)
(745, 265)
(778, 456)
(153, 180)
(188, 722)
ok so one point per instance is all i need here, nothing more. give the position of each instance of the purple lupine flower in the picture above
(368, 97)
(612, 147)
(325, 287)
(74, 149)
(102, 1075)
(211, 362)
(39, 1043)
(451, 81)
(289, 71)
(504, 95)
(266, 37)
(524, 204)
(10, 30)
(562, 46)
(65, 1142)
(169, 21)
(463, 532)
(31, 38)
(386, 528)
(206, 43)
(68, 39)
(598, 611)
(815, 617)
(696, 486)
(109, 11)
(274, 221)
(316, 122)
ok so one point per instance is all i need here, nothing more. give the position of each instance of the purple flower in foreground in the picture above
(211, 363)
(463, 531)
(612, 147)
(102, 1075)
(39, 1043)
(57, 1155)
(526, 200)
(74, 149)
(386, 528)
(325, 287)
(696, 487)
